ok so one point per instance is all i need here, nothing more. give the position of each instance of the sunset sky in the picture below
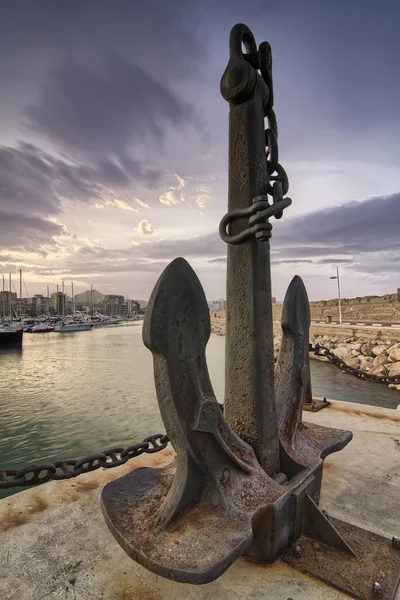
(114, 138)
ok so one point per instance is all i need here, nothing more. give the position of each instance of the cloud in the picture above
(144, 227)
(334, 260)
(353, 228)
(313, 239)
(308, 242)
(290, 261)
(99, 109)
(203, 196)
(141, 203)
(34, 181)
(27, 233)
(117, 203)
(195, 247)
(175, 193)
(219, 259)
(94, 25)
(331, 236)
(121, 204)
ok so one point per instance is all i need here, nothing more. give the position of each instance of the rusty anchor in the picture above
(245, 482)
(190, 522)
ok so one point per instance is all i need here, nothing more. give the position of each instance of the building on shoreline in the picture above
(217, 305)
(112, 304)
(39, 305)
(58, 303)
(7, 303)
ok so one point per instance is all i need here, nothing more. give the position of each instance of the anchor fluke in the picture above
(192, 523)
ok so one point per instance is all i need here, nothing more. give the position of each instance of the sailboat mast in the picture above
(20, 294)
(63, 299)
(91, 300)
(73, 298)
(9, 296)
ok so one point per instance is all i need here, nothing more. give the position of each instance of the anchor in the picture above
(245, 481)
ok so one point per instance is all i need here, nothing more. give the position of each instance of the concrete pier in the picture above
(54, 543)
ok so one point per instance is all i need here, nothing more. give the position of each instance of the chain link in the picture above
(338, 362)
(66, 469)
(277, 180)
(277, 174)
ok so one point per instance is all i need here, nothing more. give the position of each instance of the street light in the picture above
(338, 287)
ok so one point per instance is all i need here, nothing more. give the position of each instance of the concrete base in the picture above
(54, 542)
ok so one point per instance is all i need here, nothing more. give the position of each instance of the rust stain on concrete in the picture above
(370, 411)
(38, 503)
(91, 484)
(11, 518)
(137, 591)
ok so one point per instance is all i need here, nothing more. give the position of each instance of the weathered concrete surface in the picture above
(362, 482)
(54, 542)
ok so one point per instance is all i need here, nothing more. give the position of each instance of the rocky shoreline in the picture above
(376, 356)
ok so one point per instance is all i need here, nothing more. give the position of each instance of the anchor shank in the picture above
(249, 380)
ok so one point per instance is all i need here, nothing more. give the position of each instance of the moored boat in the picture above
(11, 336)
(106, 320)
(73, 326)
(42, 328)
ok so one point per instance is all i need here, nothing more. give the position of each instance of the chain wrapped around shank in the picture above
(278, 183)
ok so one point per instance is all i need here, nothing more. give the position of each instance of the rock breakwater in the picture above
(376, 356)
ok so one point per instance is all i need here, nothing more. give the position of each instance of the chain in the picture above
(338, 362)
(277, 180)
(276, 173)
(66, 469)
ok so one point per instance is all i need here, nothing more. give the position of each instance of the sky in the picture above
(114, 142)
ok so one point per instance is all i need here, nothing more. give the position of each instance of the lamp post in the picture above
(338, 287)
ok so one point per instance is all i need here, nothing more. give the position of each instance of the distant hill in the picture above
(88, 296)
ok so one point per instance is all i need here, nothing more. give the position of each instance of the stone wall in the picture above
(369, 333)
(366, 308)
(389, 334)
(217, 315)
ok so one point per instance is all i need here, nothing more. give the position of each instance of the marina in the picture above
(58, 312)
(12, 331)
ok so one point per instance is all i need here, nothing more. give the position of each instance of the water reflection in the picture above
(7, 350)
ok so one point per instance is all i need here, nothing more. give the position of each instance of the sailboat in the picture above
(71, 325)
(11, 333)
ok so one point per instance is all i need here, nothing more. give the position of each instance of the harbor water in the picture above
(67, 395)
